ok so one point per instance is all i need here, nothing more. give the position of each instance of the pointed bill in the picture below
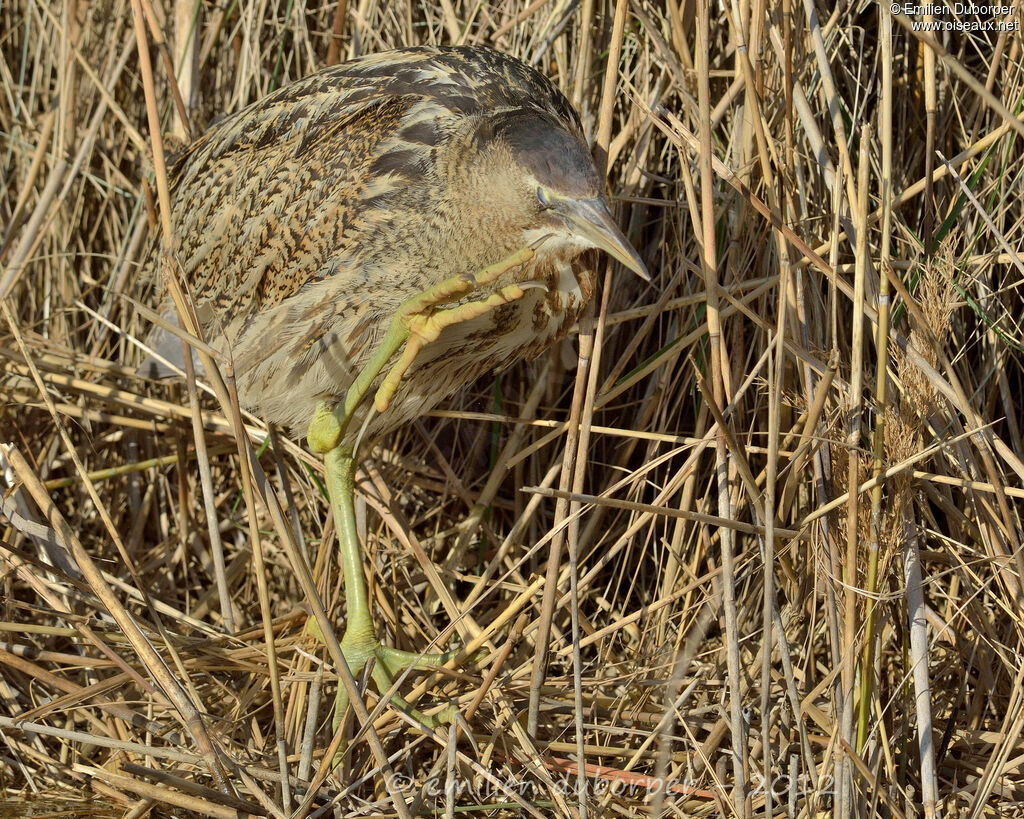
(591, 219)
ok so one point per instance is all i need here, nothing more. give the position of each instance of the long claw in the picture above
(425, 329)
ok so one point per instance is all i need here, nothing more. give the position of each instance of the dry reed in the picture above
(763, 545)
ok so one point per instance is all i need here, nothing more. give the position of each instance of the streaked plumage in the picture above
(304, 221)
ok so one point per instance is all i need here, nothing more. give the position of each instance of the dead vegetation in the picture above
(728, 617)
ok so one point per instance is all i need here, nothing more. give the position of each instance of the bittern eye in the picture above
(542, 197)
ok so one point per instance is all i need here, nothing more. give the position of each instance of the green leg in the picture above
(419, 321)
(359, 643)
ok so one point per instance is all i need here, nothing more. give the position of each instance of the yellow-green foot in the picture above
(360, 646)
(420, 320)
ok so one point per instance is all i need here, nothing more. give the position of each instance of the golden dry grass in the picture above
(792, 201)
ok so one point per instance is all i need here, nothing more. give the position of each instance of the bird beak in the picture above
(591, 220)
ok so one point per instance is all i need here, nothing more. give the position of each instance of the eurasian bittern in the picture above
(435, 199)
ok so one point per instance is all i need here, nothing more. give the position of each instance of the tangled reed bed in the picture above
(792, 199)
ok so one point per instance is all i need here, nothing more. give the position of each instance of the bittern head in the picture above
(552, 182)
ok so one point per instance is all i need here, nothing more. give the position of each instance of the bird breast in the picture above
(286, 386)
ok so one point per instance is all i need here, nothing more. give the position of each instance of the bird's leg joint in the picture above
(324, 432)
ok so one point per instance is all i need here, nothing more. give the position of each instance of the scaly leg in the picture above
(418, 321)
(359, 643)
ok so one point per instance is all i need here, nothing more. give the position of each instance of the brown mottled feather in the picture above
(302, 223)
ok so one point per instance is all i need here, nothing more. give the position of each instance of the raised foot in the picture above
(421, 319)
(417, 322)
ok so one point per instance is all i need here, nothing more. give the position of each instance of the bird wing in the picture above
(297, 168)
